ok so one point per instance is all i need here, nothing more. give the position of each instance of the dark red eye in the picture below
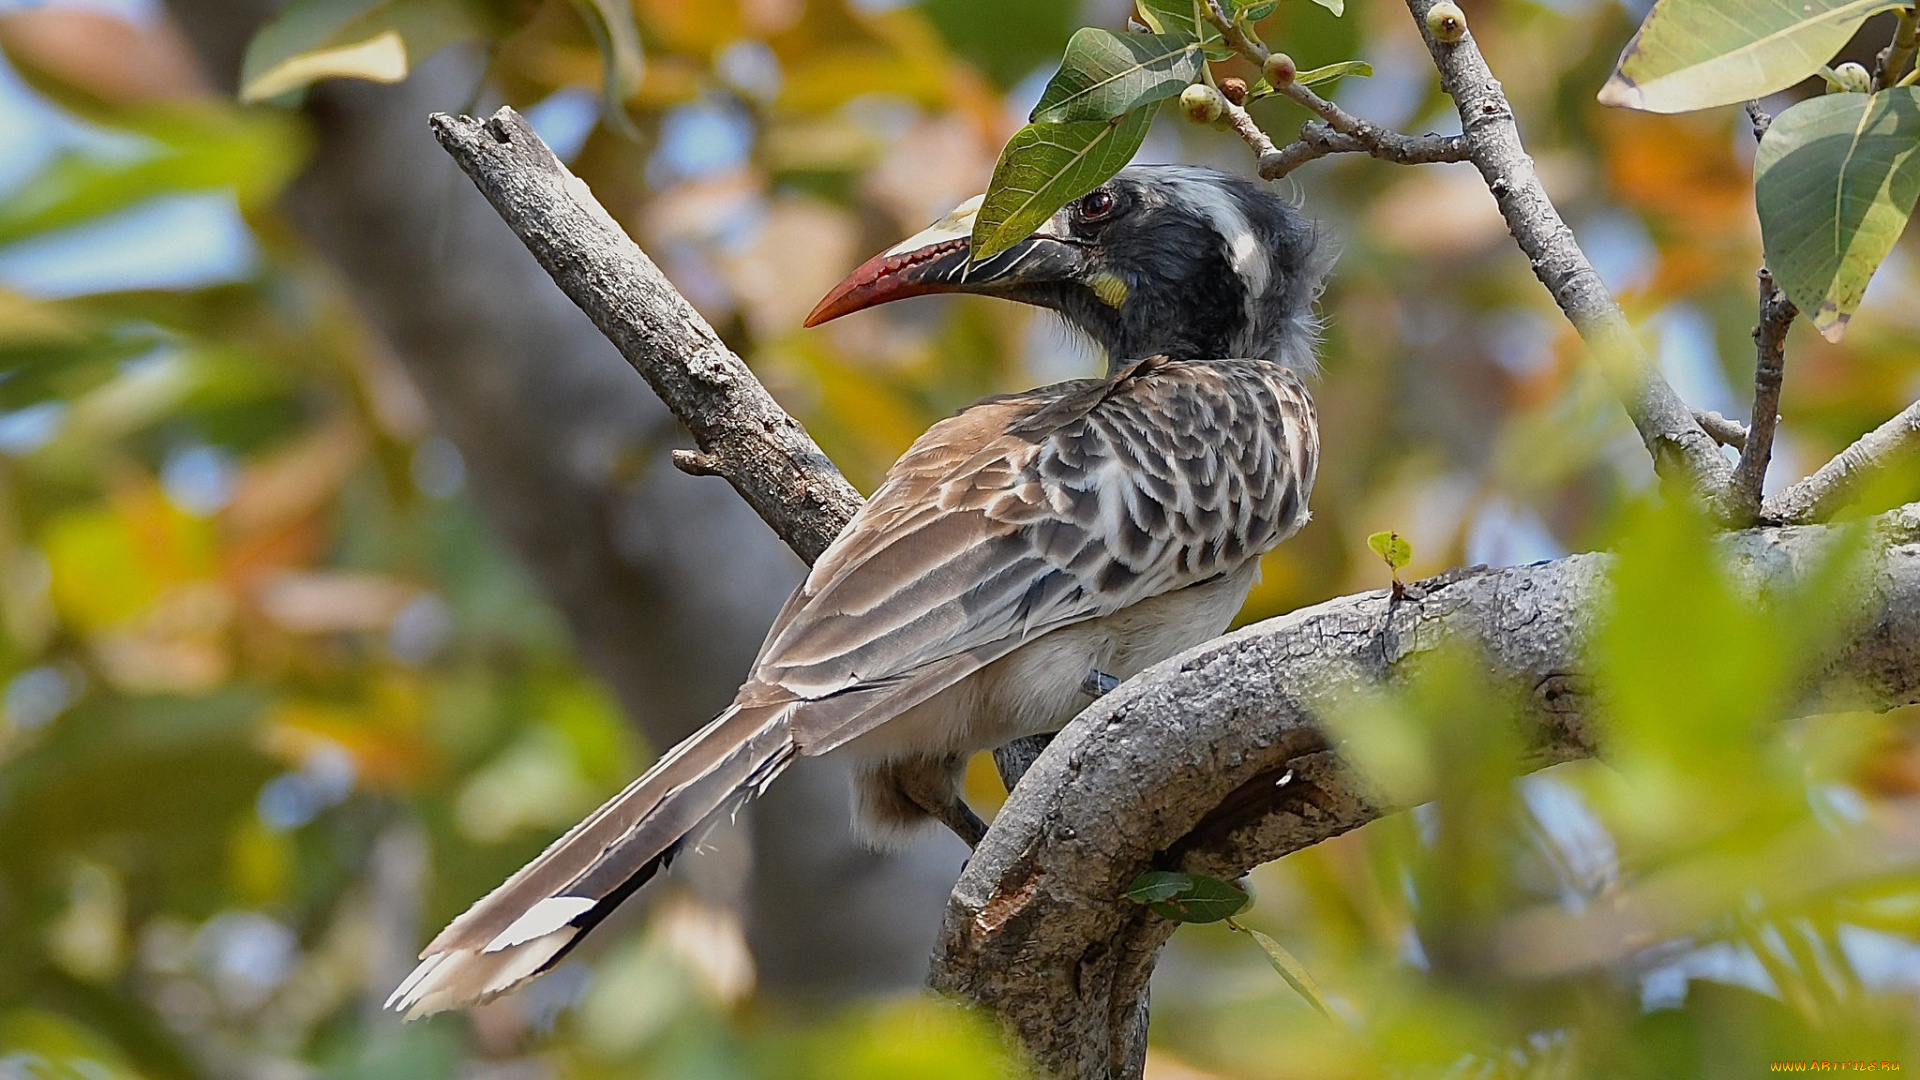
(1096, 206)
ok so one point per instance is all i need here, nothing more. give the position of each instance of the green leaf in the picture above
(1045, 166)
(378, 40)
(1392, 547)
(622, 62)
(1835, 181)
(1695, 54)
(1252, 11)
(1187, 19)
(253, 154)
(1103, 75)
(1188, 898)
(1157, 885)
(1292, 970)
(1357, 68)
(1338, 7)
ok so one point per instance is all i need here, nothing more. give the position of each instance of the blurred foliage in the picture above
(1835, 179)
(274, 702)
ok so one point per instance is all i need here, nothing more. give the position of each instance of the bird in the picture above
(1024, 556)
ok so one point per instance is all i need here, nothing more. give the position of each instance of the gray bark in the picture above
(744, 435)
(1769, 372)
(667, 582)
(1838, 482)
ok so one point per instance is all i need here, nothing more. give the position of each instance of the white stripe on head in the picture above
(1203, 194)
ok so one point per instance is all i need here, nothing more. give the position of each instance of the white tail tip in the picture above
(448, 980)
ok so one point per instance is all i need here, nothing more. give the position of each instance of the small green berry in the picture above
(1853, 78)
(1279, 69)
(1202, 103)
(1446, 22)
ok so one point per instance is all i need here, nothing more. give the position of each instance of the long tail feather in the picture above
(527, 924)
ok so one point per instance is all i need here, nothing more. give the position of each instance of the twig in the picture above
(1318, 139)
(743, 434)
(1724, 431)
(1336, 132)
(695, 463)
(1664, 421)
(1898, 54)
(1251, 133)
(1761, 120)
(1838, 482)
(1769, 367)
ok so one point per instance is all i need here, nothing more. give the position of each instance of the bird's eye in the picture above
(1097, 206)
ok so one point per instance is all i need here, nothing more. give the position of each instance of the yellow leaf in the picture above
(99, 578)
(381, 58)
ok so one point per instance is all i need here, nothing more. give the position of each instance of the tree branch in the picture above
(1895, 58)
(1318, 139)
(1838, 482)
(1215, 762)
(1769, 368)
(742, 432)
(1724, 431)
(1665, 423)
(1336, 132)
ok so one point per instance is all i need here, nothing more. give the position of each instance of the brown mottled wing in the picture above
(1031, 512)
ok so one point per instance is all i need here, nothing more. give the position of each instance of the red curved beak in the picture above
(892, 275)
(940, 259)
(932, 260)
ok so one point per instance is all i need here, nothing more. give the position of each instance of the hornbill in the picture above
(1022, 556)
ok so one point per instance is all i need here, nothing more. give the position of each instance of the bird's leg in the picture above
(1098, 683)
(933, 785)
(959, 817)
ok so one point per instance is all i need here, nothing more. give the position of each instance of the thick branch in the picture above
(1769, 368)
(1820, 496)
(1215, 762)
(742, 432)
(1664, 421)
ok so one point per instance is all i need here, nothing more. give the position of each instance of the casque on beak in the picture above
(940, 259)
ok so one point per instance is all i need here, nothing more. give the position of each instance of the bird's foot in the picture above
(1098, 683)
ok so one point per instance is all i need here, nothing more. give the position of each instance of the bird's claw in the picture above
(1098, 683)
